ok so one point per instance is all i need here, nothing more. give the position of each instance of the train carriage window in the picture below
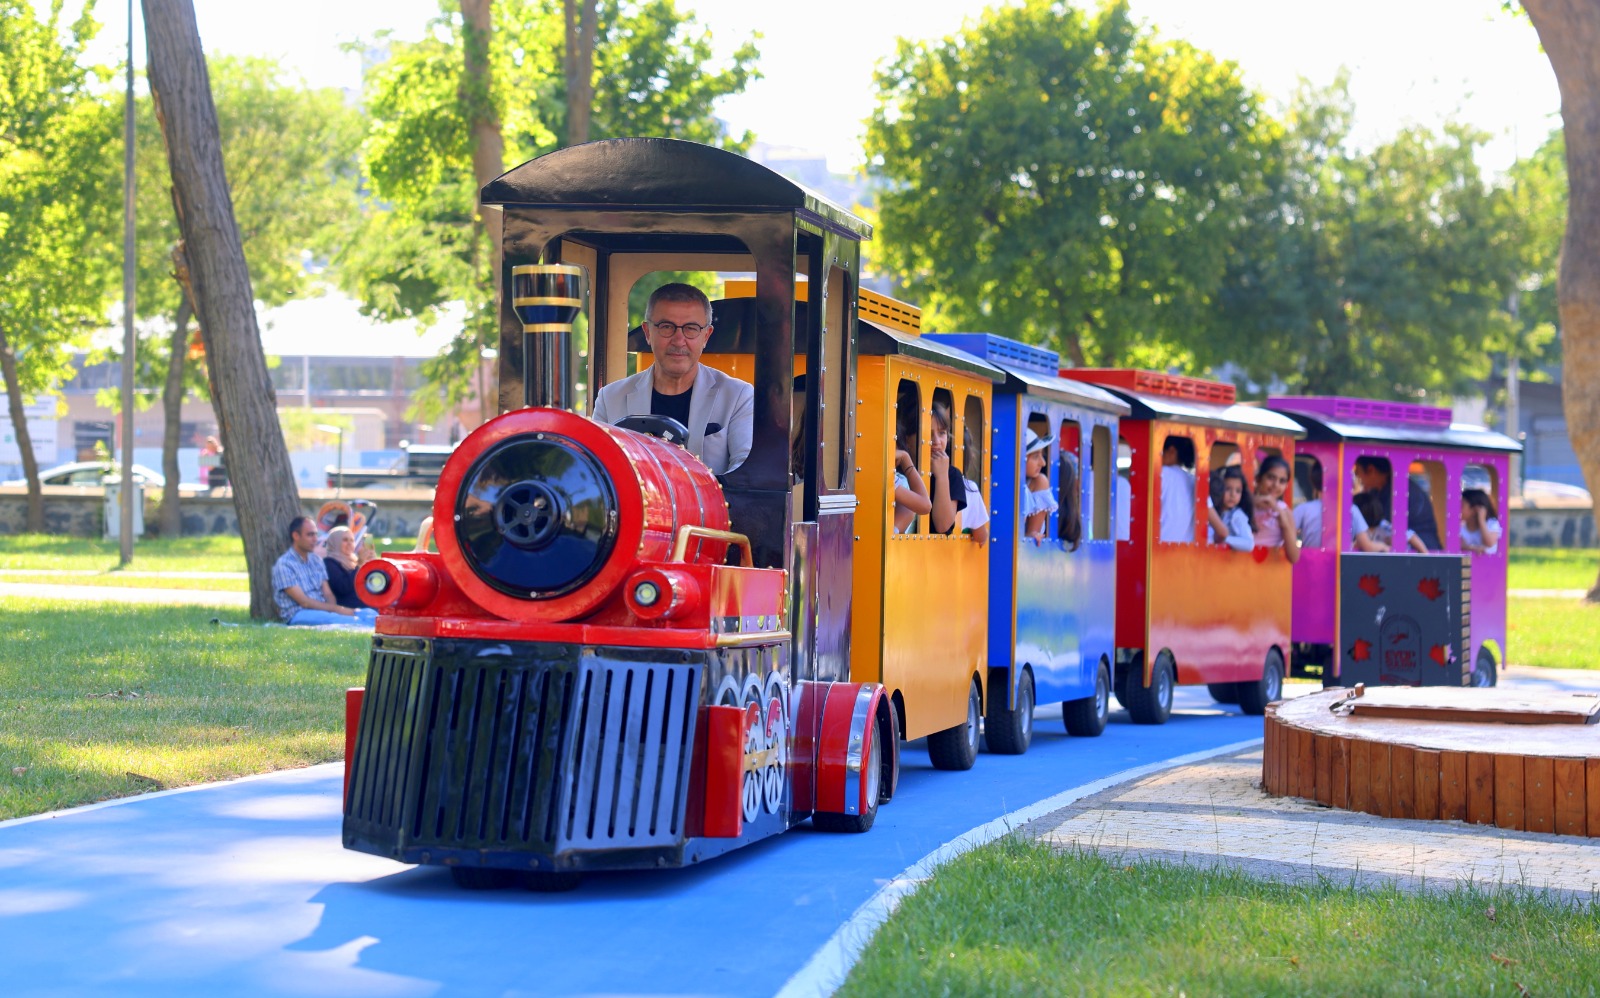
(1370, 517)
(1069, 486)
(1099, 517)
(835, 413)
(942, 426)
(1308, 511)
(908, 438)
(974, 438)
(1482, 530)
(1177, 496)
(1223, 455)
(1037, 505)
(1124, 489)
(1425, 502)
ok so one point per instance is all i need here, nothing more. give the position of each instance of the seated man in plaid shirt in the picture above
(300, 584)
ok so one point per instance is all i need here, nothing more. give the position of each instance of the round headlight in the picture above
(646, 593)
(377, 583)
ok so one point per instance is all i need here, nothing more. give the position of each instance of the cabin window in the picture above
(908, 438)
(1175, 496)
(1482, 529)
(1308, 509)
(835, 383)
(974, 451)
(1426, 493)
(943, 416)
(1124, 489)
(1069, 485)
(1372, 499)
(1039, 423)
(1099, 517)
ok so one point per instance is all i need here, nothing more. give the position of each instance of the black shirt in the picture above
(342, 583)
(675, 406)
(958, 494)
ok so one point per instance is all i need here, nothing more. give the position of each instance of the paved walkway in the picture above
(1215, 812)
(1547, 593)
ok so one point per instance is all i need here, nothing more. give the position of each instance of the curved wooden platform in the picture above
(1537, 777)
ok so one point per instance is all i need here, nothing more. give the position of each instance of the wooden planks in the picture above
(1308, 753)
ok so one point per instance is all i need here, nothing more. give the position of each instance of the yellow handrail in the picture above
(680, 548)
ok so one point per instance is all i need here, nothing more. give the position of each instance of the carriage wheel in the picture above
(1223, 692)
(957, 748)
(1486, 673)
(1254, 697)
(872, 772)
(1086, 718)
(1152, 704)
(1005, 731)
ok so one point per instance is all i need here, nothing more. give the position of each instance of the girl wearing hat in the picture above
(1037, 502)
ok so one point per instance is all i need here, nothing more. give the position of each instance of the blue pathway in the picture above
(243, 889)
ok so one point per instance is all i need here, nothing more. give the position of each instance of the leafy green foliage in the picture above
(1381, 274)
(1067, 177)
(421, 250)
(59, 191)
(1537, 216)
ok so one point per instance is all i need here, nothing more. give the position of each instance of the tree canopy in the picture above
(1065, 176)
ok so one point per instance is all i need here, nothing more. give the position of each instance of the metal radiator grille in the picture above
(525, 755)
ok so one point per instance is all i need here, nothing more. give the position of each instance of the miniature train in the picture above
(618, 660)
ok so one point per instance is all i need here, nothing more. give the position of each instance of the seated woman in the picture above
(342, 563)
(1037, 502)
(1370, 529)
(910, 494)
(1480, 523)
(1274, 523)
(947, 487)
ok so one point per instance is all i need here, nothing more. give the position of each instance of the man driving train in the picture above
(717, 410)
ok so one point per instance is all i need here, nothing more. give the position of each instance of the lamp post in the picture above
(128, 341)
(338, 431)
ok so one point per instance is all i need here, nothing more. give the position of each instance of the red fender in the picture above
(843, 748)
(352, 722)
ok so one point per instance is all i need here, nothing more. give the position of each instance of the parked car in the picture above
(103, 473)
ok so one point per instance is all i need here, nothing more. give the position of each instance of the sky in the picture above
(1412, 62)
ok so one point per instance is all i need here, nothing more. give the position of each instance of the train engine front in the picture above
(598, 669)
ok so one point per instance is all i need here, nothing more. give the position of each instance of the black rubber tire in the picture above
(1254, 697)
(1153, 704)
(483, 878)
(1006, 731)
(956, 748)
(547, 882)
(856, 823)
(1487, 671)
(1086, 717)
(1223, 692)
(1119, 684)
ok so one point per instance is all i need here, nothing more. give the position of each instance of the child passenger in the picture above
(1037, 502)
(947, 487)
(1480, 525)
(1274, 523)
(1230, 513)
(910, 495)
(1370, 528)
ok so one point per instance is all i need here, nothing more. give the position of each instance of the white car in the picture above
(99, 473)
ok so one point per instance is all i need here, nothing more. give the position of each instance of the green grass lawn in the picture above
(119, 580)
(1556, 633)
(1018, 918)
(1552, 568)
(107, 700)
(178, 554)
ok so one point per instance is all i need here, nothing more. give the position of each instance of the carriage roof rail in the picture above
(1156, 383)
(890, 313)
(1361, 410)
(1003, 349)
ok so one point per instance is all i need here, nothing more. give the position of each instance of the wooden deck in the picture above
(1481, 756)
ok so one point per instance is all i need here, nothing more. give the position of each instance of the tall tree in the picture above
(291, 157)
(265, 494)
(58, 194)
(424, 249)
(1569, 30)
(582, 21)
(1382, 273)
(1067, 176)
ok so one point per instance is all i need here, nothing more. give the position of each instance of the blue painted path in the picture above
(243, 889)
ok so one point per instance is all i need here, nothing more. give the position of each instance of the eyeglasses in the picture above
(667, 330)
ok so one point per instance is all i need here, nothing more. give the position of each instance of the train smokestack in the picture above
(548, 298)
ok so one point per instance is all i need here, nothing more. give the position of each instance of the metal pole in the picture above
(128, 346)
(1514, 401)
(340, 489)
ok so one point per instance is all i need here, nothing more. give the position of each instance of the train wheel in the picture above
(855, 823)
(957, 748)
(482, 878)
(1009, 732)
(1485, 673)
(1125, 674)
(1153, 704)
(1254, 697)
(545, 882)
(1223, 692)
(1086, 718)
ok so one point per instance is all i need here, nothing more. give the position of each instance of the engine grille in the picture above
(480, 746)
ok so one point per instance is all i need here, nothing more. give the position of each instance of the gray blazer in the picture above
(727, 402)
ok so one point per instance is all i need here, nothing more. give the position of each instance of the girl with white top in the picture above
(910, 494)
(1037, 502)
(1480, 524)
(1231, 512)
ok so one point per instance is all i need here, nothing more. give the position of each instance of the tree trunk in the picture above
(1570, 33)
(582, 16)
(265, 494)
(488, 144)
(172, 406)
(19, 424)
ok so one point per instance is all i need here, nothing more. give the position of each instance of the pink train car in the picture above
(1430, 460)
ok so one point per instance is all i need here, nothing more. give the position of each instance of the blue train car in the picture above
(1052, 588)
